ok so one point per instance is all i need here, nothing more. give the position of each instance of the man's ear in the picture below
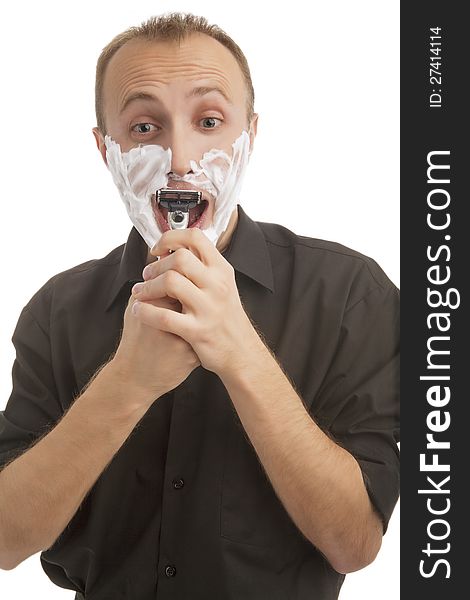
(99, 139)
(253, 130)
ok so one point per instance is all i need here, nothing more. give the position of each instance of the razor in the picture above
(178, 203)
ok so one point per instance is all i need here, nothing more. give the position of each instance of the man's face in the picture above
(190, 97)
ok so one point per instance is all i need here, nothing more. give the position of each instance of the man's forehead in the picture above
(196, 55)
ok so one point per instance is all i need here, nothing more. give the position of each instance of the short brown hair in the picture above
(169, 27)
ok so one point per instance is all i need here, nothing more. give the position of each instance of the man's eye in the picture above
(143, 128)
(210, 122)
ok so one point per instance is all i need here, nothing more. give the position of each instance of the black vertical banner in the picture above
(435, 233)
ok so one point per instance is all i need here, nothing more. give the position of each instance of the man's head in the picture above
(178, 82)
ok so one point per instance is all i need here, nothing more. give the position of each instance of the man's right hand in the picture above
(149, 360)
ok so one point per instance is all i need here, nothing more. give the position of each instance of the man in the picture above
(221, 422)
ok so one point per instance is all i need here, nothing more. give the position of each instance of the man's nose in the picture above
(180, 155)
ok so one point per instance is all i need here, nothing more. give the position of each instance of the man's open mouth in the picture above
(197, 214)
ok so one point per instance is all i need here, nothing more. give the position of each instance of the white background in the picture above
(326, 78)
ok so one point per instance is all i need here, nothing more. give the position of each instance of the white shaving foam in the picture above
(140, 172)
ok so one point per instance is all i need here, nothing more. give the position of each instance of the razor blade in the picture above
(178, 203)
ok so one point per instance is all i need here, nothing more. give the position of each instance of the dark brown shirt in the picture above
(185, 509)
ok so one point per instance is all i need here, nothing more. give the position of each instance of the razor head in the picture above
(178, 203)
(181, 200)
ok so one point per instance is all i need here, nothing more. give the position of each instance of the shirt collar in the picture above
(247, 252)
(130, 267)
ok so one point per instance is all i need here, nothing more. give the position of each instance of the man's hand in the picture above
(151, 360)
(212, 319)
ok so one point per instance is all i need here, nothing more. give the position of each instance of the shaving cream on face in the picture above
(140, 172)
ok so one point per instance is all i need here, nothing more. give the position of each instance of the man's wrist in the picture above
(245, 355)
(117, 385)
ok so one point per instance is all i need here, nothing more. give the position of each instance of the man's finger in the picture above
(166, 302)
(172, 284)
(191, 238)
(162, 318)
(185, 262)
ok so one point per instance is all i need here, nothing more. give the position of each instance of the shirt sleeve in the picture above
(32, 408)
(358, 404)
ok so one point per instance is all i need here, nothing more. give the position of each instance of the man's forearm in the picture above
(41, 490)
(319, 483)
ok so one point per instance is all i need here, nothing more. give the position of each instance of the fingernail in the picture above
(135, 307)
(147, 272)
(137, 288)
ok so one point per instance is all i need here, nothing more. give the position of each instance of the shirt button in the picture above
(178, 483)
(170, 571)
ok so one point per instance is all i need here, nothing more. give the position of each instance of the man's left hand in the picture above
(213, 319)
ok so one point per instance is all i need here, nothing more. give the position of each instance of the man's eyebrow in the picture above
(138, 96)
(203, 90)
(197, 91)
